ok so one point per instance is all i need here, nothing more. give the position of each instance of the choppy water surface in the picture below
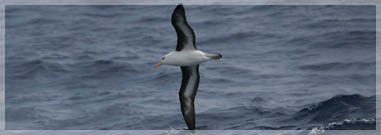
(283, 67)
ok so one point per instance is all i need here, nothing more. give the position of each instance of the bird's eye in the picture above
(163, 58)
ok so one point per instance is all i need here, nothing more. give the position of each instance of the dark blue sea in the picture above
(283, 67)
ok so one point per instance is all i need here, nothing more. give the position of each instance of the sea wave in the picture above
(338, 108)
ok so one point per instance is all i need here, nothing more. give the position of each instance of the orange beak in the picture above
(158, 64)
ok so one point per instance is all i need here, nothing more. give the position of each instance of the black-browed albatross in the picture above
(188, 57)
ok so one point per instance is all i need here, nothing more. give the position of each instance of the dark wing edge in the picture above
(185, 34)
(187, 94)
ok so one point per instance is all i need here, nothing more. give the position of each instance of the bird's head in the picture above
(164, 60)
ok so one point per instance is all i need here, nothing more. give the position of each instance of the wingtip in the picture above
(179, 6)
(179, 10)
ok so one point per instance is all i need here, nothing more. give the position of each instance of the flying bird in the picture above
(188, 58)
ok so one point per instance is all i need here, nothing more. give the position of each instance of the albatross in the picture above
(188, 58)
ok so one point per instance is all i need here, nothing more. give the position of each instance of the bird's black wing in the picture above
(185, 34)
(188, 90)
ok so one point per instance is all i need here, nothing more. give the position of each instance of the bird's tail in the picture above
(214, 56)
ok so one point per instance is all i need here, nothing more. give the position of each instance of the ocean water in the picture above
(283, 67)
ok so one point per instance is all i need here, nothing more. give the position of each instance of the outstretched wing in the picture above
(188, 90)
(185, 34)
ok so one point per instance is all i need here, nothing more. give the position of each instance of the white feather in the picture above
(185, 58)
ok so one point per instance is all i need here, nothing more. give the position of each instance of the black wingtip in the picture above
(179, 8)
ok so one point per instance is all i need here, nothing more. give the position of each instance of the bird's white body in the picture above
(185, 58)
